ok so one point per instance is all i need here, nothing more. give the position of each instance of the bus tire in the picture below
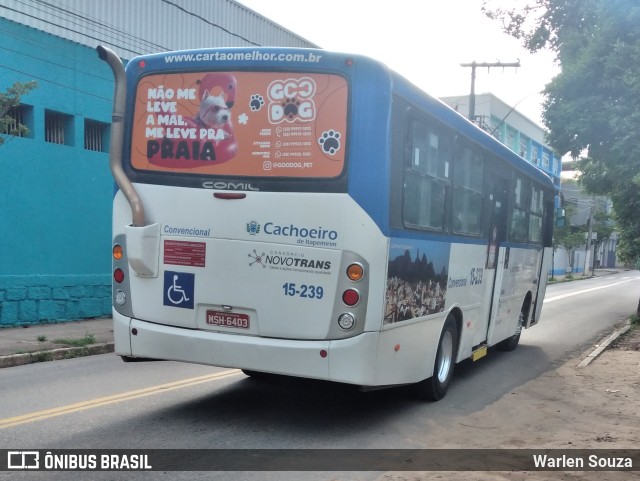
(510, 343)
(435, 387)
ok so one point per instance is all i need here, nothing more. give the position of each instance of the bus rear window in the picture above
(253, 124)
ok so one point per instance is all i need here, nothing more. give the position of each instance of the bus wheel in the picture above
(510, 343)
(435, 387)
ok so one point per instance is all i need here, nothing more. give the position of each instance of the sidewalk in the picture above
(49, 342)
(63, 340)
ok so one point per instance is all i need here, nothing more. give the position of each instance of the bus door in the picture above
(497, 253)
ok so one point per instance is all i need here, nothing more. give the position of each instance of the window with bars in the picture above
(58, 128)
(96, 135)
(18, 121)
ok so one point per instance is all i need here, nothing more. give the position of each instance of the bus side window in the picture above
(467, 192)
(427, 177)
(519, 228)
(536, 215)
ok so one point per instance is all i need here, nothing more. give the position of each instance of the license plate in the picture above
(228, 319)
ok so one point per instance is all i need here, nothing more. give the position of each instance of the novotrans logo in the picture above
(253, 227)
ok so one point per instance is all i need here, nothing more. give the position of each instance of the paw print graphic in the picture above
(290, 107)
(256, 102)
(330, 141)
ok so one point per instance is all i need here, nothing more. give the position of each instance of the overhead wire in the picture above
(102, 25)
(175, 5)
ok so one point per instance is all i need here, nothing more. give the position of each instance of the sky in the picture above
(423, 40)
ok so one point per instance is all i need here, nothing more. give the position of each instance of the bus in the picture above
(313, 214)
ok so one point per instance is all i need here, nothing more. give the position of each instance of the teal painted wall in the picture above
(55, 200)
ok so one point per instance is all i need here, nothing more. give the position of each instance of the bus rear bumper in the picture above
(347, 360)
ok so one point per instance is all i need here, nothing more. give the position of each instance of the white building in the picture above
(513, 129)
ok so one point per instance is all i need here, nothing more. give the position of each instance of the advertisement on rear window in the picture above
(241, 124)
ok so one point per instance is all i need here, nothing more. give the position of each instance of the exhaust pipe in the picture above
(117, 136)
(143, 241)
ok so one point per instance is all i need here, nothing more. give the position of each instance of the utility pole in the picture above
(587, 256)
(488, 65)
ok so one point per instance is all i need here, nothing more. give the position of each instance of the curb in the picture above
(585, 362)
(13, 360)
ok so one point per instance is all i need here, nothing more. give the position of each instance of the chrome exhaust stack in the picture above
(117, 136)
(142, 240)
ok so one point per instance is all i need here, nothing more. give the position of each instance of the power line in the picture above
(62, 27)
(102, 38)
(55, 83)
(210, 23)
(99, 23)
(488, 65)
(45, 60)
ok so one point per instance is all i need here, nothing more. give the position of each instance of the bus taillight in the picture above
(117, 252)
(346, 321)
(355, 272)
(118, 275)
(350, 297)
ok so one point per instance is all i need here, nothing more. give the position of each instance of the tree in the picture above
(593, 105)
(9, 100)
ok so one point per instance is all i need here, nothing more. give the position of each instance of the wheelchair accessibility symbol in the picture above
(178, 289)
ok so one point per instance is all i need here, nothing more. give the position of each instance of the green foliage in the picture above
(83, 341)
(42, 356)
(8, 100)
(593, 105)
(568, 236)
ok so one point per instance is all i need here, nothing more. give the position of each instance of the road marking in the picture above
(584, 291)
(104, 401)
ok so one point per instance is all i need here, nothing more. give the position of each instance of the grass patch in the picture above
(74, 353)
(42, 338)
(81, 342)
(43, 356)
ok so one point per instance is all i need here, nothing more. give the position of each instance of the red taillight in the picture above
(229, 195)
(118, 275)
(350, 297)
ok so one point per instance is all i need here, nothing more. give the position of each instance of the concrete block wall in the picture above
(31, 300)
(55, 201)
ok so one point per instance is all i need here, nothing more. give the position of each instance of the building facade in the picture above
(55, 242)
(513, 129)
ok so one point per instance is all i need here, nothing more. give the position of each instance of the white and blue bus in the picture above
(314, 214)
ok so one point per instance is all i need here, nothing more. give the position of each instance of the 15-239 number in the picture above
(303, 290)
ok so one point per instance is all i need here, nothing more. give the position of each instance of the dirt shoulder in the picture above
(592, 407)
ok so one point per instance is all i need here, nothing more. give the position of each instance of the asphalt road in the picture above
(102, 403)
